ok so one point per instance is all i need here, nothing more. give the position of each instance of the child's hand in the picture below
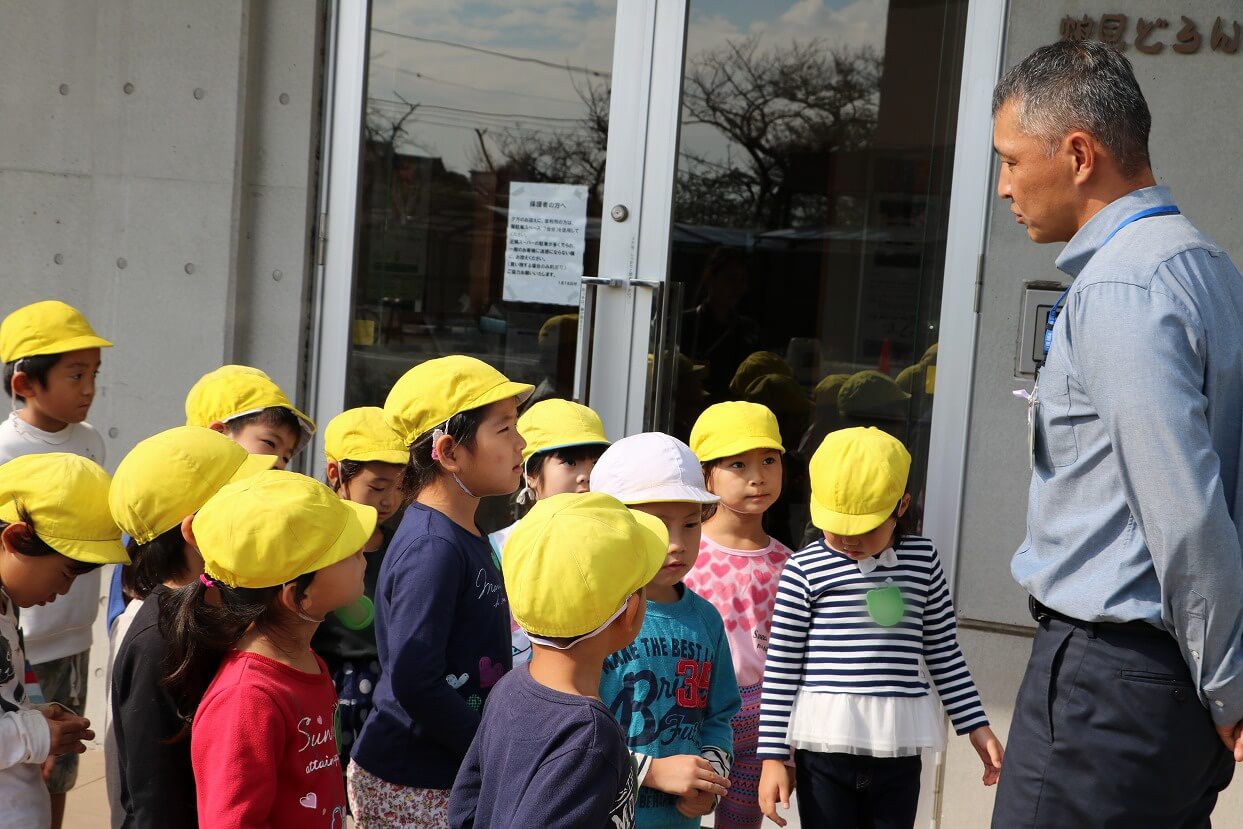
(68, 730)
(699, 804)
(683, 775)
(986, 744)
(776, 786)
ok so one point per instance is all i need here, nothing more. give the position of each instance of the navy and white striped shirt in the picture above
(823, 638)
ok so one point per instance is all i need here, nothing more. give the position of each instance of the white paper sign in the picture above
(545, 241)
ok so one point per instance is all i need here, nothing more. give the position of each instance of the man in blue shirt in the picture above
(1132, 556)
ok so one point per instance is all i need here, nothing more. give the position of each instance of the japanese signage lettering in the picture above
(1151, 35)
(545, 241)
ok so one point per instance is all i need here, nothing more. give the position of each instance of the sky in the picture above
(460, 89)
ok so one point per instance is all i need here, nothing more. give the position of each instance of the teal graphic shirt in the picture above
(674, 692)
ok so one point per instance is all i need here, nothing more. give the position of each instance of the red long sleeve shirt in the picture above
(264, 750)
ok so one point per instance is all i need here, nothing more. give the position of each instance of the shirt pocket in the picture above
(1057, 431)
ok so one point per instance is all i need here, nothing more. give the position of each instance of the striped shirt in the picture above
(824, 639)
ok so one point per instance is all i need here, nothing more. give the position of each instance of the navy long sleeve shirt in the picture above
(442, 632)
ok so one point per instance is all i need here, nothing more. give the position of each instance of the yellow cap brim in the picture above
(502, 391)
(65, 346)
(400, 457)
(740, 445)
(357, 530)
(109, 551)
(841, 523)
(590, 440)
(253, 465)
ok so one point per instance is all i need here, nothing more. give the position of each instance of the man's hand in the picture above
(68, 730)
(685, 775)
(700, 804)
(986, 744)
(776, 786)
(1232, 736)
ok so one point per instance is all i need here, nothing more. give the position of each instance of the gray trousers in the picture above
(1108, 732)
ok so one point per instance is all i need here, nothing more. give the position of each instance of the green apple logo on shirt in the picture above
(885, 606)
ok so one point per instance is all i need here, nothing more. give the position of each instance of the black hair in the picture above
(278, 417)
(200, 633)
(348, 470)
(567, 454)
(421, 471)
(36, 368)
(159, 560)
(32, 545)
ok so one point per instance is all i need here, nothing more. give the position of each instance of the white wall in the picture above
(157, 160)
(1195, 140)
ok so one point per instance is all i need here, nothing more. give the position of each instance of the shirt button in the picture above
(1220, 704)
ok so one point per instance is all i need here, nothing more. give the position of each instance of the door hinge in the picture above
(321, 240)
(979, 282)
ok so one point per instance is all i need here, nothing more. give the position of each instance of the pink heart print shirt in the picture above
(742, 586)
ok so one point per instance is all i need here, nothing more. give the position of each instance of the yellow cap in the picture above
(272, 527)
(729, 429)
(362, 434)
(572, 562)
(557, 424)
(754, 367)
(430, 393)
(171, 475)
(66, 498)
(236, 391)
(858, 476)
(48, 327)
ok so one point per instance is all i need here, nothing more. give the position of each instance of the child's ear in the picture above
(443, 449)
(24, 386)
(289, 597)
(217, 426)
(187, 531)
(904, 504)
(15, 535)
(334, 475)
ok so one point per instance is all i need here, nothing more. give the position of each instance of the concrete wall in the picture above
(1193, 147)
(158, 161)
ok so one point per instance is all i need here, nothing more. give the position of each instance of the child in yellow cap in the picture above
(366, 459)
(54, 526)
(564, 440)
(441, 619)
(156, 491)
(243, 403)
(548, 752)
(739, 445)
(51, 357)
(280, 552)
(857, 612)
(674, 691)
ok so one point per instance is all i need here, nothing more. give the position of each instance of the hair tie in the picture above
(207, 582)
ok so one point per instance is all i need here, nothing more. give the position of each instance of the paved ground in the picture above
(88, 802)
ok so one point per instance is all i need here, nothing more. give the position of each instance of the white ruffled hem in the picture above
(872, 726)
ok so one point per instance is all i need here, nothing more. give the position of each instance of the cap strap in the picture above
(539, 640)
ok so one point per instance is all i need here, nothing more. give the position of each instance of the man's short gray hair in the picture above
(1080, 85)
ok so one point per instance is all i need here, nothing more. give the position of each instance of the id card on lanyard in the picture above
(1033, 402)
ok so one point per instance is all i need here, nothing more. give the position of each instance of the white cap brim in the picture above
(666, 493)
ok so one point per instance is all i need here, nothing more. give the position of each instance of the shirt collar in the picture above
(1084, 244)
(888, 558)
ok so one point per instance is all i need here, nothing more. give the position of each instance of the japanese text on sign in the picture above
(1151, 36)
(545, 241)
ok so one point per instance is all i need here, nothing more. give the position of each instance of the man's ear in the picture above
(1084, 156)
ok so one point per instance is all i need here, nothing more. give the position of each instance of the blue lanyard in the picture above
(1051, 317)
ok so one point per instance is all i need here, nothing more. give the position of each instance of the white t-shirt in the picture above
(62, 628)
(25, 738)
(519, 642)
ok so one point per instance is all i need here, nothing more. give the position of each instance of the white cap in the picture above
(651, 468)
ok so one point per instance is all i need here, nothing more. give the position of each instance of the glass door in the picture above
(496, 188)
